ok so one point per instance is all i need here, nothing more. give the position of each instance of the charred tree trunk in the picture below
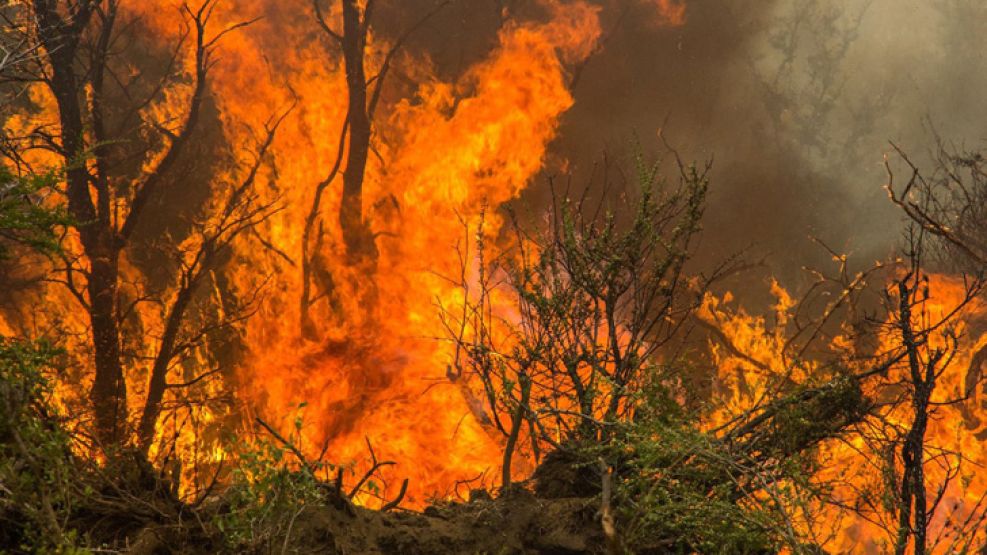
(357, 235)
(60, 38)
(109, 391)
(159, 371)
(913, 516)
(105, 227)
(354, 145)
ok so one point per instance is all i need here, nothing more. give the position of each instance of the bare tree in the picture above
(946, 205)
(949, 203)
(595, 297)
(923, 370)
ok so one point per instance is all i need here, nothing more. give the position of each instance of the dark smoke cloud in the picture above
(796, 101)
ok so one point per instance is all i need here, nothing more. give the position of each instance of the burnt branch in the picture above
(203, 59)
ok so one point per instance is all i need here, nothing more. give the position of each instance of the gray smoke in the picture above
(796, 100)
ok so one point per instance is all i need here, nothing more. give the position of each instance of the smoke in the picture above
(795, 101)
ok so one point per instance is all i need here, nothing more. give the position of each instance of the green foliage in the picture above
(679, 489)
(678, 492)
(25, 218)
(38, 477)
(266, 494)
(812, 414)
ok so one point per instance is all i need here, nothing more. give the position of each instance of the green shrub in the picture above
(679, 489)
(26, 217)
(267, 492)
(39, 483)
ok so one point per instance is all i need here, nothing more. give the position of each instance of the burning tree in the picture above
(124, 142)
(947, 205)
(892, 462)
(926, 363)
(566, 354)
(151, 115)
(567, 337)
(363, 100)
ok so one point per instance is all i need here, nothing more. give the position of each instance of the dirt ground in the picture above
(515, 523)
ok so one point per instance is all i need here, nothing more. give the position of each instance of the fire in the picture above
(376, 371)
(670, 12)
(853, 466)
(446, 154)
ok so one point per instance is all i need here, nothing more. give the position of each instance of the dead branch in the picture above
(397, 500)
(374, 467)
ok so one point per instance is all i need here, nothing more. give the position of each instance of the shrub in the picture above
(681, 489)
(39, 484)
(267, 492)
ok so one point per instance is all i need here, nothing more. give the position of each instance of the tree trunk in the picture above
(357, 236)
(913, 516)
(99, 240)
(109, 391)
(159, 371)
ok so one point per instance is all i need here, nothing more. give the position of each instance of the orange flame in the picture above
(853, 466)
(441, 155)
(670, 12)
(377, 372)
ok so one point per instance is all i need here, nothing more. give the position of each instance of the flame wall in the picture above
(444, 149)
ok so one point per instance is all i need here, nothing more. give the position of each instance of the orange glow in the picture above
(377, 370)
(853, 465)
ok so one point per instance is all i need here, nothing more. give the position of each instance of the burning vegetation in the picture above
(332, 276)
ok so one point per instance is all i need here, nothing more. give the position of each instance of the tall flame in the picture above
(377, 372)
